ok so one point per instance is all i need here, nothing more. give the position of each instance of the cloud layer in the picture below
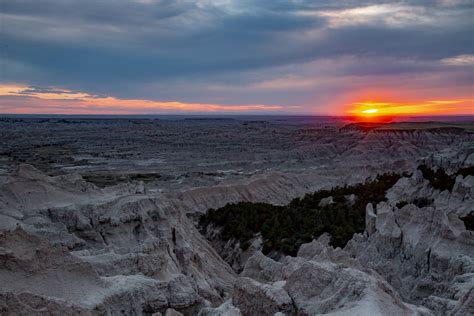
(21, 99)
(292, 56)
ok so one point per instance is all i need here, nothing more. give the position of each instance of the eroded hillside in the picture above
(100, 217)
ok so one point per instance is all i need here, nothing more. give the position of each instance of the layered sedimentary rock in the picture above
(67, 244)
(425, 252)
(70, 247)
(311, 284)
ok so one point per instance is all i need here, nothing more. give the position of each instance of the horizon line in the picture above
(234, 114)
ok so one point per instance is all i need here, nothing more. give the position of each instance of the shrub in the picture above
(439, 179)
(285, 228)
(468, 171)
(468, 221)
(401, 204)
(422, 202)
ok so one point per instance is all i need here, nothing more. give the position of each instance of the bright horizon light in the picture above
(387, 108)
(370, 111)
(23, 99)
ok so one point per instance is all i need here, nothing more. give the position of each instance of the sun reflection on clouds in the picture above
(18, 98)
(390, 14)
(460, 60)
(64, 101)
(41, 93)
(430, 107)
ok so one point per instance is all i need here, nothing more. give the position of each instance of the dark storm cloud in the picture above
(118, 46)
(102, 12)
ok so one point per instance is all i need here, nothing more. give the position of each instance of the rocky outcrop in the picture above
(225, 309)
(415, 257)
(310, 284)
(68, 248)
(257, 298)
(105, 251)
(424, 252)
(31, 304)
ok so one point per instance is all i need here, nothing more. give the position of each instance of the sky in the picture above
(237, 56)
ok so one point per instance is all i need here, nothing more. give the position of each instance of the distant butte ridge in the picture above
(436, 127)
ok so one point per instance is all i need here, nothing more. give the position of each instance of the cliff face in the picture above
(413, 258)
(70, 246)
(426, 252)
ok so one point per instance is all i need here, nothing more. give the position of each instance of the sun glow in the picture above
(369, 111)
(378, 110)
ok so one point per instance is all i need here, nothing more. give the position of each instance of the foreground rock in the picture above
(310, 285)
(68, 246)
(425, 252)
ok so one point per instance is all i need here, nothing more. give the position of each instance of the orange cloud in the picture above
(63, 101)
(430, 107)
(375, 102)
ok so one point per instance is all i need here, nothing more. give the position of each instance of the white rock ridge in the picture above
(68, 248)
(67, 244)
(310, 284)
(426, 253)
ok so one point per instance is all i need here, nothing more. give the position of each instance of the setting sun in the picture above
(381, 110)
(370, 111)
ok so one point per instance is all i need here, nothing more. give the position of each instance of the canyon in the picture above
(101, 216)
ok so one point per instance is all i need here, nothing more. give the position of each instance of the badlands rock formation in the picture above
(130, 246)
(426, 253)
(419, 255)
(311, 284)
(69, 246)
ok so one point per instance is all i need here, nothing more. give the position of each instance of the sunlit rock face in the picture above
(86, 233)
